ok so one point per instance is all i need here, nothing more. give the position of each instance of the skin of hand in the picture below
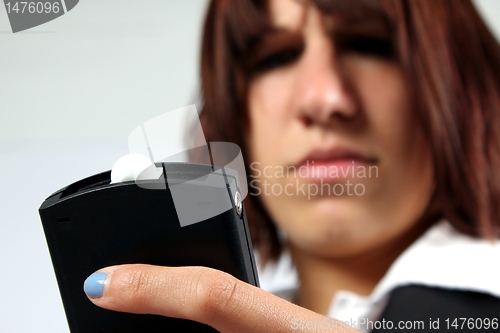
(205, 295)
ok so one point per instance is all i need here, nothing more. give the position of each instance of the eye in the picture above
(367, 46)
(277, 59)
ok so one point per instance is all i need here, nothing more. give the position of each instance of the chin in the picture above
(332, 235)
(331, 245)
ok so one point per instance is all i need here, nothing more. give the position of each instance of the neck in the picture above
(321, 277)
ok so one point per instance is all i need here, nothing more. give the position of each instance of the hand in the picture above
(201, 294)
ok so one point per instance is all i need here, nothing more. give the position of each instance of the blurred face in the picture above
(340, 161)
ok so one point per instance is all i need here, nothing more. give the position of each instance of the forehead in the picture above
(287, 14)
(293, 14)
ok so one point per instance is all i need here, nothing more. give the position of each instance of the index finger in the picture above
(201, 294)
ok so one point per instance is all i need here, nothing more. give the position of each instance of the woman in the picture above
(373, 134)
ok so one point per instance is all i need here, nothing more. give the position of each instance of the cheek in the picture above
(269, 119)
(389, 111)
(406, 159)
(273, 132)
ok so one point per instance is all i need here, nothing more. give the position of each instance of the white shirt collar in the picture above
(441, 257)
(446, 258)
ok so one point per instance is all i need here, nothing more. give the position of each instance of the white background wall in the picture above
(71, 90)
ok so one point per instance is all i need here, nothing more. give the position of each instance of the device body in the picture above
(92, 224)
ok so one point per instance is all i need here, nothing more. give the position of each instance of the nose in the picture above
(322, 92)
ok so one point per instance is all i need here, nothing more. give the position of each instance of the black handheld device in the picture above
(91, 224)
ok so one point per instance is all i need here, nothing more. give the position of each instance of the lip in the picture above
(333, 164)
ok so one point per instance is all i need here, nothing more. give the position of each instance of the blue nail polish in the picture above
(94, 284)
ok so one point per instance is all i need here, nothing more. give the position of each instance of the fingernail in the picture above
(94, 284)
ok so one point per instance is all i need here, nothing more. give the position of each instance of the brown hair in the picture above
(448, 54)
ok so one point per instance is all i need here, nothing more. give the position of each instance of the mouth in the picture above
(335, 164)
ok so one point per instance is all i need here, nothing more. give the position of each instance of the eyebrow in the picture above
(352, 12)
(371, 25)
(347, 20)
(272, 40)
(351, 8)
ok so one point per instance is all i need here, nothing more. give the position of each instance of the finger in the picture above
(202, 294)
